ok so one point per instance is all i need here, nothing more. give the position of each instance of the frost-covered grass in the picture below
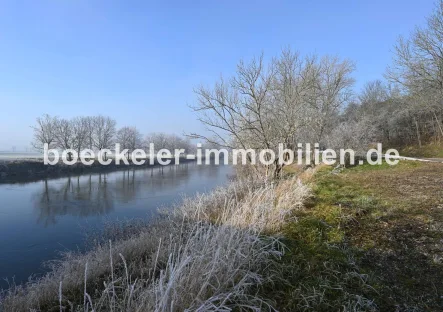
(212, 254)
(318, 245)
(264, 208)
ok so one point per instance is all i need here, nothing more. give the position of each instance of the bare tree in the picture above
(129, 138)
(159, 139)
(104, 132)
(418, 61)
(235, 111)
(262, 106)
(44, 132)
(418, 69)
(332, 83)
(171, 142)
(80, 133)
(374, 92)
(89, 125)
(65, 135)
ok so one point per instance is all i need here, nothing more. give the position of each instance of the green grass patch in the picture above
(402, 165)
(369, 232)
(320, 264)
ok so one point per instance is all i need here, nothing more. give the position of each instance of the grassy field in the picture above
(426, 151)
(371, 238)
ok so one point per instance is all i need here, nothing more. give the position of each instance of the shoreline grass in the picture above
(360, 239)
(213, 253)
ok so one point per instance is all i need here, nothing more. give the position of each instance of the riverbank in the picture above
(211, 252)
(43, 218)
(28, 170)
(366, 238)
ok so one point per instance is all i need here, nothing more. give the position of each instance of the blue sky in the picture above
(138, 61)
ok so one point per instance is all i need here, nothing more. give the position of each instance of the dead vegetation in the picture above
(210, 255)
(367, 238)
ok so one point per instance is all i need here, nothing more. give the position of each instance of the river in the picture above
(38, 220)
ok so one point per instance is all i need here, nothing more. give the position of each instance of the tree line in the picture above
(98, 133)
(296, 99)
(408, 108)
(310, 99)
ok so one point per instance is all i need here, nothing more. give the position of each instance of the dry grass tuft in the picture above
(264, 208)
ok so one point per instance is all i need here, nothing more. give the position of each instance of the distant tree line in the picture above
(98, 133)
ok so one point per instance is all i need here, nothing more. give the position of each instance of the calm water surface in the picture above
(40, 219)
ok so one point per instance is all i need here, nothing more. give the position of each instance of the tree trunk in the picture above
(418, 132)
(438, 124)
(278, 170)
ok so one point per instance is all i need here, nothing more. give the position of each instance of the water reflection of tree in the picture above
(98, 194)
(126, 186)
(79, 196)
